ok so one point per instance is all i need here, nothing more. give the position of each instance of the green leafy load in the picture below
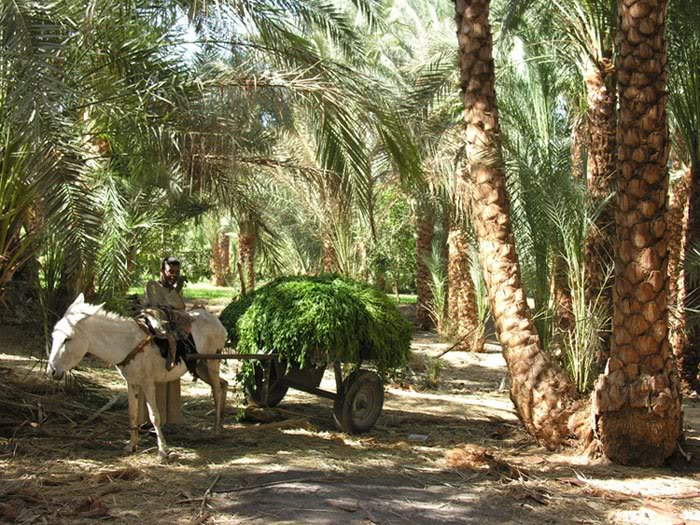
(315, 320)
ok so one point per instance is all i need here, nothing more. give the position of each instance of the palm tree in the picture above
(684, 102)
(678, 224)
(589, 29)
(425, 225)
(462, 306)
(246, 251)
(98, 72)
(419, 48)
(637, 399)
(544, 397)
(218, 229)
(39, 154)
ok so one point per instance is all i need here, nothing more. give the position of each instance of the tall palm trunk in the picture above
(579, 146)
(247, 236)
(678, 226)
(330, 257)
(425, 220)
(600, 89)
(220, 258)
(545, 399)
(689, 354)
(462, 308)
(637, 399)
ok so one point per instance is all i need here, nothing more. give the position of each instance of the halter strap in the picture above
(138, 349)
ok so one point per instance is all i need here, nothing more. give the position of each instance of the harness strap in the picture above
(139, 348)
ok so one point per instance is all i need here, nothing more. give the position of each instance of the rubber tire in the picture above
(254, 388)
(358, 386)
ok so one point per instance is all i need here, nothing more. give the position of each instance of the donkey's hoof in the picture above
(165, 455)
(129, 448)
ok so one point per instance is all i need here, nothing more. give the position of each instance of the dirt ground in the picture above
(451, 453)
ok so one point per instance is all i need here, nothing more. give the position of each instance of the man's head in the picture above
(170, 270)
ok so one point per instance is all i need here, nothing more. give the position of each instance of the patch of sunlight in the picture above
(404, 298)
(653, 514)
(332, 438)
(13, 357)
(486, 360)
(251, 460)
(82, 464)
(690, 515)
(502, 405)
(659, 486)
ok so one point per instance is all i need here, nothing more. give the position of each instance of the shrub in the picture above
(316, 320)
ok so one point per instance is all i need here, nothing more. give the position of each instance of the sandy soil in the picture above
(454, 453)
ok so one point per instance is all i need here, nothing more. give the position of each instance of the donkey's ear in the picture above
(79, 300)
(92, 309)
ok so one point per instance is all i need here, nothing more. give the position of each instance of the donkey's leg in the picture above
(210, 375)
(133, 417)
(224, 391)
(149, 390)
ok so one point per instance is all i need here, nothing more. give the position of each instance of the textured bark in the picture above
(330, 259)
(689, 355)
(446, 224)
(545, 399)
(220, 258)
(246, 251)
(602, 126)
(678, 226)
(424, 246)
(637, 399)
(462, 309)
(600, 94)
(455, 272)
(579, 145)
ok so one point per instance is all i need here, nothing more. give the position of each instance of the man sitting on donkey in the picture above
(164, 313)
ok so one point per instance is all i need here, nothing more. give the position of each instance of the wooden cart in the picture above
(357, 401)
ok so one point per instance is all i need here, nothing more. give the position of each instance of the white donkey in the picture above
(121, 342)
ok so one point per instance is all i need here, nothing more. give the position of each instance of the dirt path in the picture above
(454, 453)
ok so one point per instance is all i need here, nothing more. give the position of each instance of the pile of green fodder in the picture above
(316, 320)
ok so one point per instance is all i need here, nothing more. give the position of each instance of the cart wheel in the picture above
(358, 409)
(255, 386)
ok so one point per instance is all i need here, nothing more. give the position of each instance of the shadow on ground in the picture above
(61, 460)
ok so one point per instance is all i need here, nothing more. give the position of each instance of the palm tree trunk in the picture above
(424, 244)
(688, 355)
(330, 258)
(220, 258)
(545, 399)
(462, 309)
(579, 146)
(246, 250)
(600, 89)
(637, 399)
(678, 226)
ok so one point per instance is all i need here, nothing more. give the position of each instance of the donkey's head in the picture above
(69, 343)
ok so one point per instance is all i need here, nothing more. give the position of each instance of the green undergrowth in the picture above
(316, 320)
(196, 291)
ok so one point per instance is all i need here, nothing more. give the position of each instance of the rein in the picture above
(138, 349)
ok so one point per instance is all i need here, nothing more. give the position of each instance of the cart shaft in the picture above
(258, 357)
